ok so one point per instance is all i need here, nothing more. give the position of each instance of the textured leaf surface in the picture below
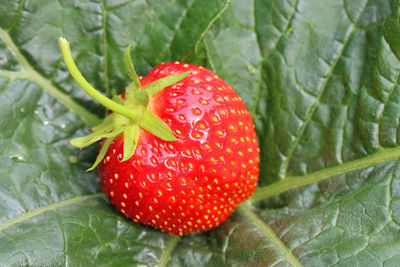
(320, 77)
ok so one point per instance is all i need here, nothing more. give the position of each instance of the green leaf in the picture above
(349, 219)
(320, 77)
(103, 151)
(135, 85)
(156, 126)
(142, 96)
(160, 84)
(131, 136)
(87, 140)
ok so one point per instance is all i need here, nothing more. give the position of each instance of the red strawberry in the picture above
(194, 183)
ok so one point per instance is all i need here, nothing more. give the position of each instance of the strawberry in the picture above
(187, 167)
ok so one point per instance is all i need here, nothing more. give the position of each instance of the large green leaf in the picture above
(320, 77)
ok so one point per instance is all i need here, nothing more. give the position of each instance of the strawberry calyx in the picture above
(129, 114)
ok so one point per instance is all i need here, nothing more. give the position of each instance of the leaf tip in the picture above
(62, 41)
(91, 168)
(172, 138)
(75, 142)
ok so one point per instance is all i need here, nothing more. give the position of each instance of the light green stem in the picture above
(108, 103)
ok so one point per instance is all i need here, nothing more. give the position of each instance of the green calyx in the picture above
(128, 115)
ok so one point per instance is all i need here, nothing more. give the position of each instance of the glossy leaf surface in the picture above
(320, 77)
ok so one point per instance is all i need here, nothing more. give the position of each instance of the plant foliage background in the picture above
(320, 77)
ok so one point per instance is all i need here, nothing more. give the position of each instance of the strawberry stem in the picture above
(105, 101)
(129, 114)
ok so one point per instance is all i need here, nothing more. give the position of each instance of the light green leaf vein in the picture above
(244, 209)
(227, 3)
(31, 74)
(316, 103)
(105, 45)
(165, 257)
(266, 55)
(51, 207)
(310, 178)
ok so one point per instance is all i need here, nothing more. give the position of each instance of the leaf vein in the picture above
(105, 47)
(178, 27)
(63, 236)
(266, 56)
(219, 14)
(313, 108)
(52, 207)
(244, 208)
(31, 74)
(18, 14)
(292, 182)
(166, 255)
